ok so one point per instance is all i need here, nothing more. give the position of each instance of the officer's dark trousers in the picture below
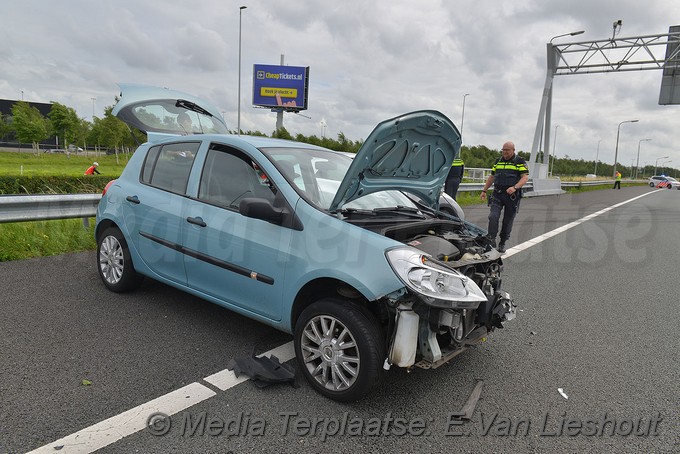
(451, 186)
(509, 204)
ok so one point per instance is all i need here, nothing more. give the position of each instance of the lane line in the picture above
(120, 426)
(134, 420)
(539, 239)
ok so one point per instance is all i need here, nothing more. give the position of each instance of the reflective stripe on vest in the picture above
(457, 163)
(501, 165)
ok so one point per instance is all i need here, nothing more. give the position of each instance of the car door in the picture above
(237, 259)
(154, 209)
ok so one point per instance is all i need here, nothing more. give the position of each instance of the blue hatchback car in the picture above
(305, 239)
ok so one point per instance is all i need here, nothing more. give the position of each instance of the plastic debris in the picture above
(262, 371)
(562, 393)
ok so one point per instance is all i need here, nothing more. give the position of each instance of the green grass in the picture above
(21, 240)
(27, 163)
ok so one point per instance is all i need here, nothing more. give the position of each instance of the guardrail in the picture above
(20, 208)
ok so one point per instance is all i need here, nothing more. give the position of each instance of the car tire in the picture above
(339, 348)
(114, 262)
(651, 185)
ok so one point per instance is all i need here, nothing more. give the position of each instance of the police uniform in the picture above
(506, 174)
(454, 177)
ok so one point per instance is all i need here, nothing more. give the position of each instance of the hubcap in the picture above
(111, 260)
(330, 353)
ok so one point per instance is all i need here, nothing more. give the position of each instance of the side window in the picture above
(168, 167)
(149, 162)
(229, 176)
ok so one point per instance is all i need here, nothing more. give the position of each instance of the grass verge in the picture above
(22, 240)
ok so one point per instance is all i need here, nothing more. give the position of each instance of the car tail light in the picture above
(108, 185)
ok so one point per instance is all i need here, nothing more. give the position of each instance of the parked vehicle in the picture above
(662, 181)
(305, 240)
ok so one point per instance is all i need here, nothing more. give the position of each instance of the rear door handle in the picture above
(132, 199)
(197, 221)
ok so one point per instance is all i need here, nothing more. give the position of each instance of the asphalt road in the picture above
(598, 319)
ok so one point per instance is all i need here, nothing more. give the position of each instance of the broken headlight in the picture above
(435, 284)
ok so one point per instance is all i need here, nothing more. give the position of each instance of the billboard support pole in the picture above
(279, 114)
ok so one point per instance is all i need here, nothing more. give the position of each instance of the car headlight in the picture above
(436, 285)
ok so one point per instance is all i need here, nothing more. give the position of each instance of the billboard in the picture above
(280, 87)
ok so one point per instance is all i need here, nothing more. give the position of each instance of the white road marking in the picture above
(117, 427)
(539, 239)
(134, 420)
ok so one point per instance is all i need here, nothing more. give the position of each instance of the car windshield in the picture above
(316, 175)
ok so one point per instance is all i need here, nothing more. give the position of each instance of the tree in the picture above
(29, 124)
(65, 123)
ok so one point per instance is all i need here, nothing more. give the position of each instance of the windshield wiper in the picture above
(192, 106)
(399, 209)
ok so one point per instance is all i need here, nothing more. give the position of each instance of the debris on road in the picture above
(562, 393)
(469, 407)
(262, 371)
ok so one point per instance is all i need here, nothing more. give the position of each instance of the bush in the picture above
(52, 184)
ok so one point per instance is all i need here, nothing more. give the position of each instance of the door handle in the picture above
(132, 199)
(197, 221)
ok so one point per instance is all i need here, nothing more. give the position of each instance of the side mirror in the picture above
(261, 209)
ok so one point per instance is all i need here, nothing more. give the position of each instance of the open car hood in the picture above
(160, 111)
(412, 152)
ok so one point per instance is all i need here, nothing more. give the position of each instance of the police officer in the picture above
(508, 174)
(454, 177)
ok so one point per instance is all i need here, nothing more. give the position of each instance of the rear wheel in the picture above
(339, 349)
(114, 262)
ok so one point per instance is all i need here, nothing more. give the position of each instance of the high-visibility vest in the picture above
(457, 167)
(508, 173)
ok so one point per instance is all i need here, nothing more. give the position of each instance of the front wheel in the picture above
(114, 262)
(339, 348)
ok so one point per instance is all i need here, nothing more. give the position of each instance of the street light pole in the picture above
(238, 118)
(554, 154)
(637, 166)
(93, 100)
(462, 117)
(567, 34)
(597, 153)
(618, 131)
(656, 163)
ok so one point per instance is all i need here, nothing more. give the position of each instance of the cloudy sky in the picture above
(369, 60)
